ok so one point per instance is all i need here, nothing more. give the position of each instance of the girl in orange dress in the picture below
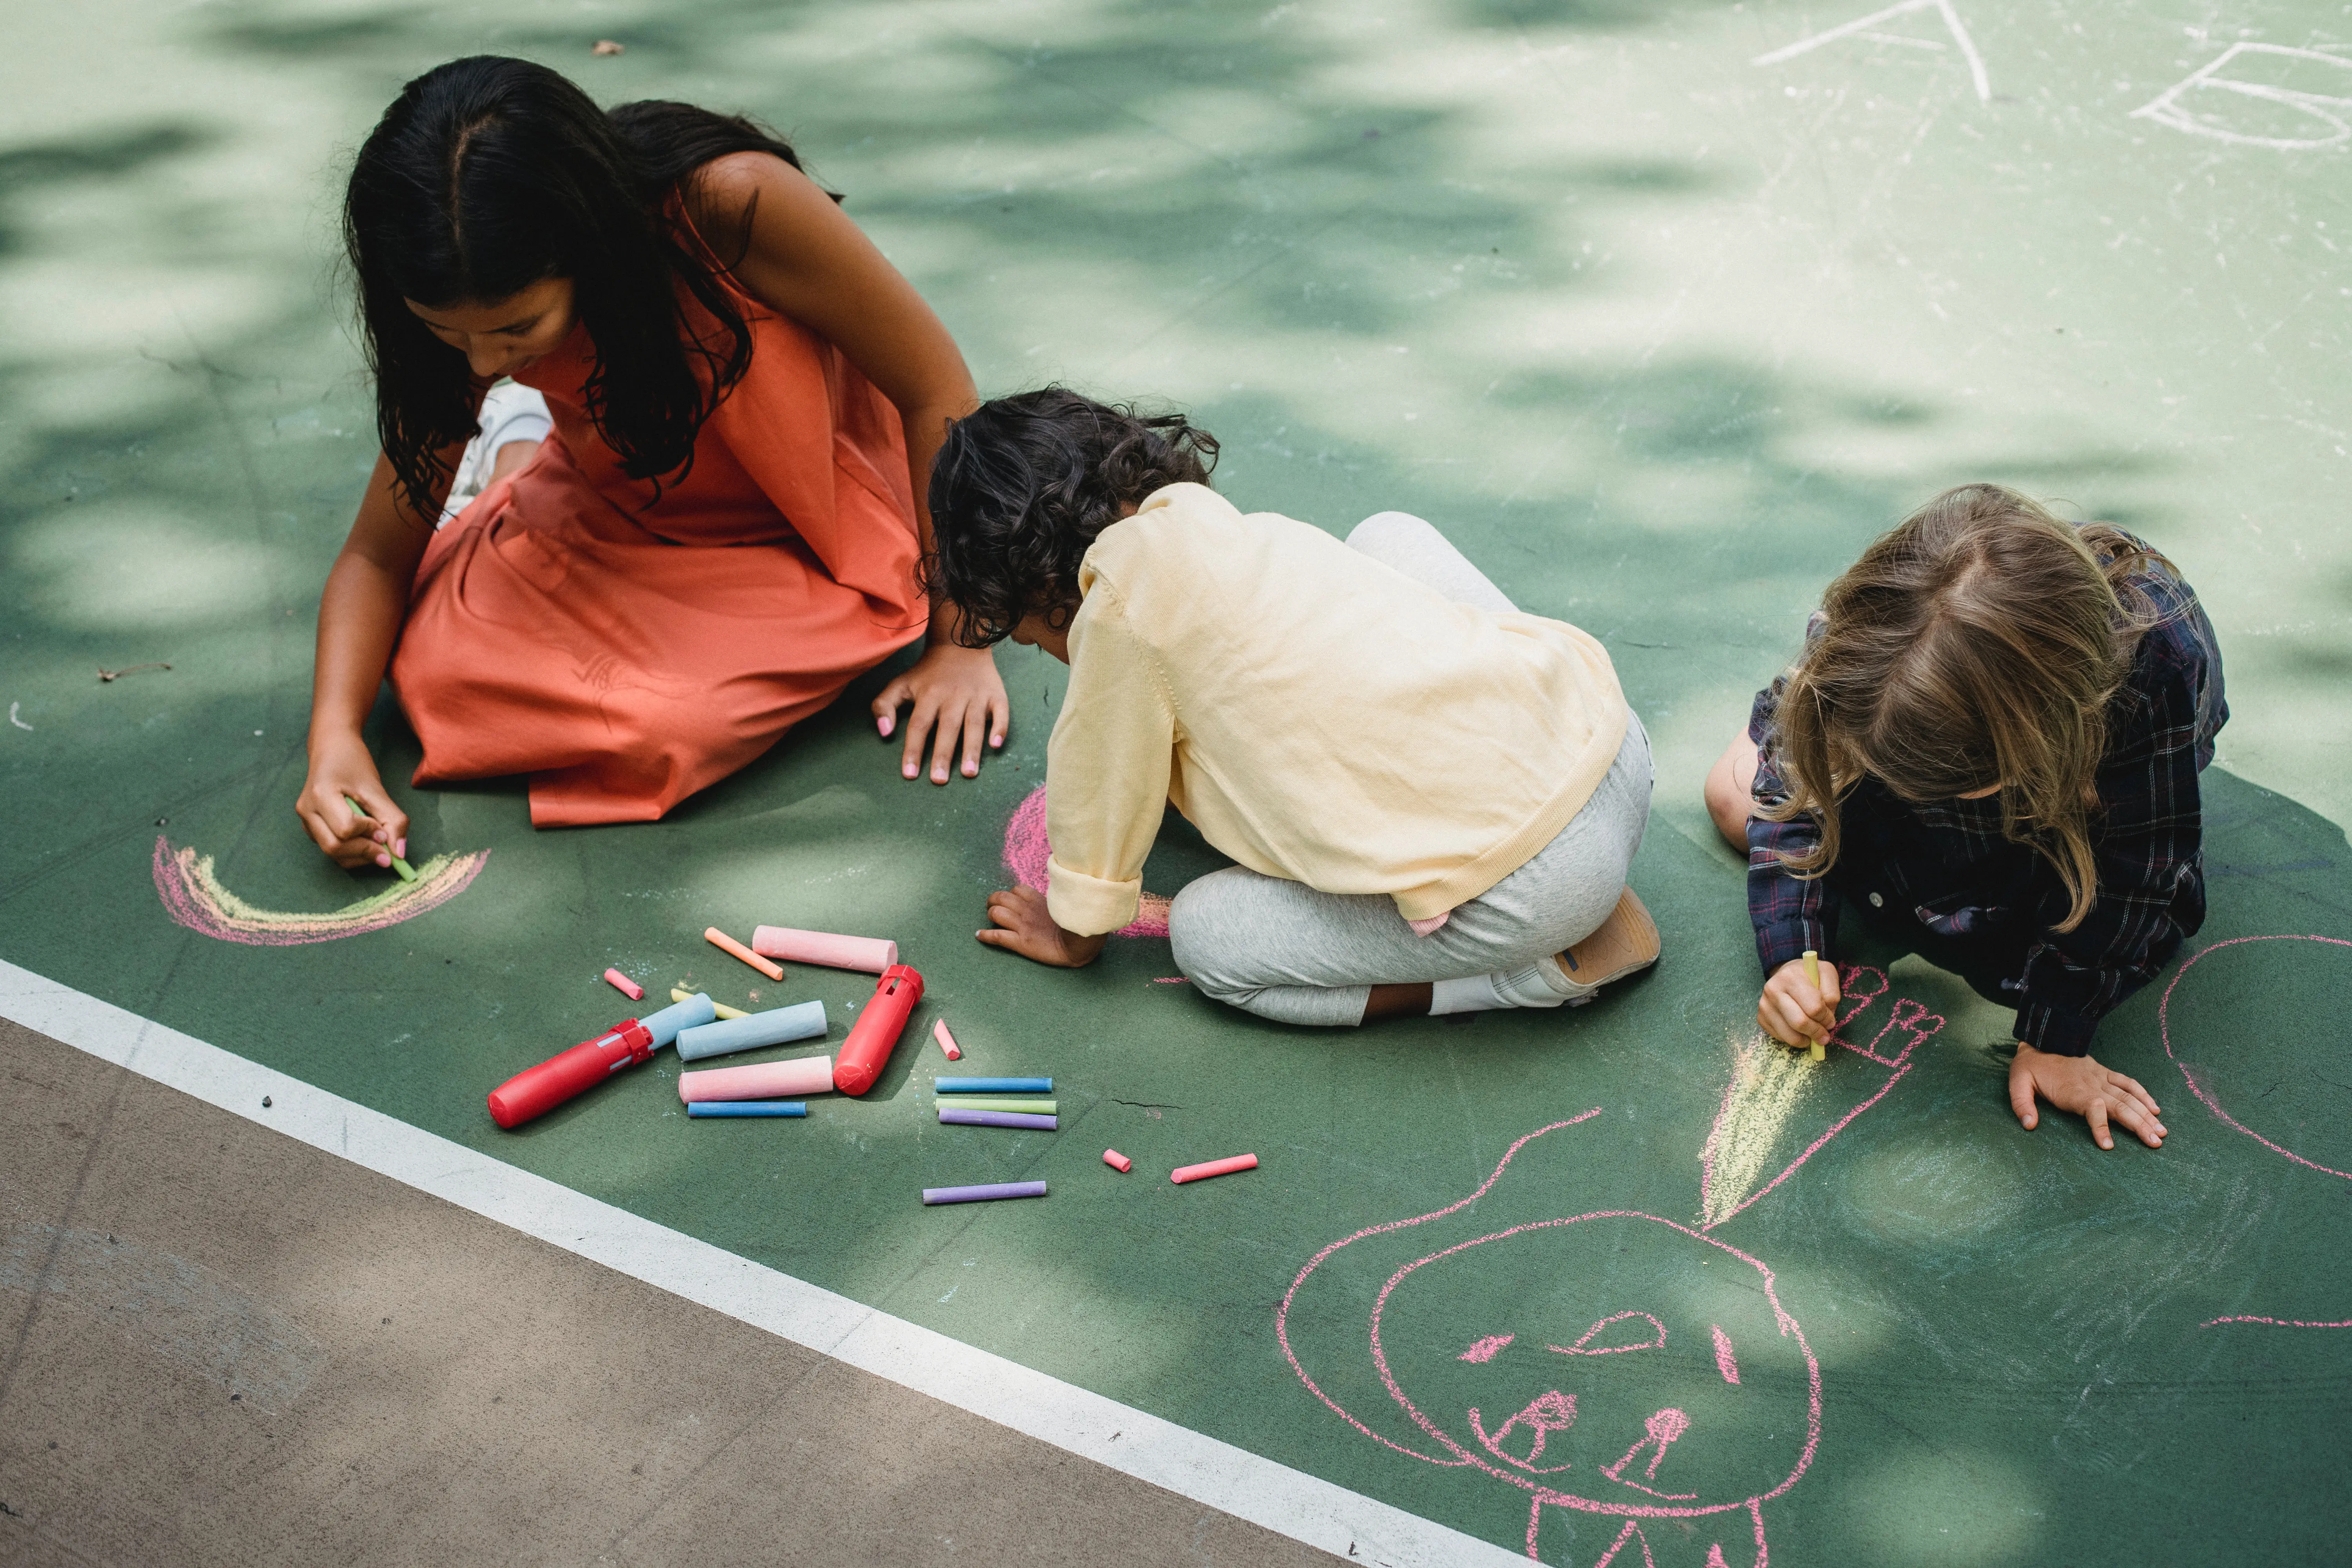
(722, 531)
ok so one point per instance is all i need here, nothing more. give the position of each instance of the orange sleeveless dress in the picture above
(625, 651)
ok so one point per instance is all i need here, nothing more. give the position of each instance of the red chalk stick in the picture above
(1184, 1173)
(725, 943)
(1117, 1161)
(875, 1034)
(947, 1041)
(625, 986)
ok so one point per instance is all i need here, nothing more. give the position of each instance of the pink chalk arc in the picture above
(1026, 851)
(2205, 1096)
(193, 897)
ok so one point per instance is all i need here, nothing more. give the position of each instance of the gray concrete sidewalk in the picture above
(218, 1345)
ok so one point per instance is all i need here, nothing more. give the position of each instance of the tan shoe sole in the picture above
(1627, 942)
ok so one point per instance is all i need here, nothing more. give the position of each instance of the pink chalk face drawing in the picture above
(193, 897)
(1026, 852)
(1611, 1366)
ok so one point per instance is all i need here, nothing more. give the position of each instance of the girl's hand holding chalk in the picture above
(2081, 1086)
(1794, 1010)
(1024, 926)
(344, 807)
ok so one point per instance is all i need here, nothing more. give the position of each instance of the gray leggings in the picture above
(1284, 951)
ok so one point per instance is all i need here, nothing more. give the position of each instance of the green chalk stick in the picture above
(996, 1102)
(407, 874)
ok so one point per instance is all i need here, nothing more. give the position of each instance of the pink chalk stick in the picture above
(761, 1080)
(870, 953)
(1184, 1173)
(625, 986)
(1117, 1161)
(947, 1041)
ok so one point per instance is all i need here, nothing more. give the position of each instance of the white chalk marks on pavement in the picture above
(1867, 27)
(2260, 95)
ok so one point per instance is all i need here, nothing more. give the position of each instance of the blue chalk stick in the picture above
(951, 1116)
(803, 1021)
(982, 1195)
(992, 1085)
(666, 1024)
(748, 1108)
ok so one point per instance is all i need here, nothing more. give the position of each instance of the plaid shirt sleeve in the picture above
(1790, 913)
(2147, 841)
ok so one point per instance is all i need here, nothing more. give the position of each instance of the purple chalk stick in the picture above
(982, 1195)
(956, 1116)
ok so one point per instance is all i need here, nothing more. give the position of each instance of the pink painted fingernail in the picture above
(996, 739)
(384, 861)
(883, 724)
(971, 770)
(911, 770)
(401, 848)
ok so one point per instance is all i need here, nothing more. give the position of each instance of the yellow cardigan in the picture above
(1316, 714)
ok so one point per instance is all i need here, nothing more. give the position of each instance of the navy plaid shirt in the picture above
(1947, 864)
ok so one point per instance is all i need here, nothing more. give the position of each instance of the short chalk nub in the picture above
(992, 1085)
(870, 953)
(983, 1194)
(630, 988)
(1117, 1161)
(725, 943)
(1818, 1052)
(1202, 1172)
(955, 1116)
(709, 1110)
(947, 1042)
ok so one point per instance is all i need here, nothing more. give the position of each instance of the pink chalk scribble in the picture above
(1026, 851)
(2276, 1322)
(1725, 1362)
(1735, 1472)
(1549, 1412)
(193, 897)
(1657, 1342)
(2164, 1029)
(1915, 1022)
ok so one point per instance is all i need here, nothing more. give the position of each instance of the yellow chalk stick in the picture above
(721, 1008)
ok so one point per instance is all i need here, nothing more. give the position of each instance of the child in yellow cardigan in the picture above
(1433, 798)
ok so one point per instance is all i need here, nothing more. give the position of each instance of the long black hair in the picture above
(1020, 489)
(487, 175)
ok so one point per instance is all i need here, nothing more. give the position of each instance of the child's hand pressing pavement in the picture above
(2081, 1086)
(1024, 926)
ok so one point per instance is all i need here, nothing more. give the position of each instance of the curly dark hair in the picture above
(486, 175)
(1022, 486)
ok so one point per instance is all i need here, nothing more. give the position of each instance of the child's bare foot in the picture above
(1025, 926)
(1624, 943)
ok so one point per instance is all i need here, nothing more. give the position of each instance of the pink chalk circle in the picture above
(870, 953)
(2203, 1091)
(625, 986)
(1118, 1162)
(1026, 852)
(947, 1047)
(761, 1080)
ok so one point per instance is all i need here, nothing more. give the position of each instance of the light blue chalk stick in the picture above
(748, 1108)
(802, 1021)
(992, 1085)
(679, 1015)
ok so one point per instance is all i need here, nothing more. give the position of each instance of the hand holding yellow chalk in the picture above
(1813, 978)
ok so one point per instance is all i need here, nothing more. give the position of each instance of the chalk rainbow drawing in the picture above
(1026, 849)
(2203, 1092)
(1642, 1432)
(193, 897)
(1769, 1083)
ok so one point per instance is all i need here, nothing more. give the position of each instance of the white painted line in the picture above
(1183, 1461)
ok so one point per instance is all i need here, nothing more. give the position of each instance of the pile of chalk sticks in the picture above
(701, 1028)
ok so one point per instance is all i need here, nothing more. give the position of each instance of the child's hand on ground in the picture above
(1024, 926)
(2081, 1086)
(351, 839)
(1792, 1010)
(957, 693)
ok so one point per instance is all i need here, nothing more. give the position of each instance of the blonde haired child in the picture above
(1994, 730)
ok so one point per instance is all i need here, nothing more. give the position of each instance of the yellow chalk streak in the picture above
(722, 1008)
(1767, 1083)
